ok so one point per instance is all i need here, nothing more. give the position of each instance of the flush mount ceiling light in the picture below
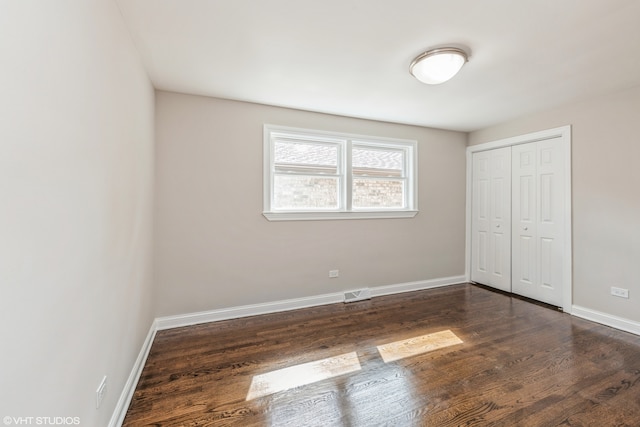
(438, 65)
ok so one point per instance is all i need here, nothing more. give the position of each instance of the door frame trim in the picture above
(563, 134)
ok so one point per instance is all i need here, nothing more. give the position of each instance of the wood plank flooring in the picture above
(518, 364)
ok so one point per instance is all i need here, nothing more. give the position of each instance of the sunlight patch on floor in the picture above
(306, 373)
(417, 345)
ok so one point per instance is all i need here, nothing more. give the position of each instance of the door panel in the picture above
(482, 252)
(491, 218)
(546, 263)
(525, 268)
(538, 174)
(546, 198)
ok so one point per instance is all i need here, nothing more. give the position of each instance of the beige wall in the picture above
(606, 194)
(76, 181)
(214, 249)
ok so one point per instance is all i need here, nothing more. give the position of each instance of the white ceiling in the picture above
(351, 57)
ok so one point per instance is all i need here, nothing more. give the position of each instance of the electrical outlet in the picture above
(619, 292)
(101, 391)
(334, 273)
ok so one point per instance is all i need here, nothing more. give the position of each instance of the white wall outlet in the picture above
(619, 292)
(101, 391)
(334, 273)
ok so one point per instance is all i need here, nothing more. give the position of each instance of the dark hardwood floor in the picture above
(519, 364)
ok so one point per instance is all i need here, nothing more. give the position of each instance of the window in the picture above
(321, 175)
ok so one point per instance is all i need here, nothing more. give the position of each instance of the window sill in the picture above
(322, 216)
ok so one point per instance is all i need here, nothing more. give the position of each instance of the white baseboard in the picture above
(416, 286)
(180, 320)
(169, 322)
(120, 410)
(606, 319)
(189, 319)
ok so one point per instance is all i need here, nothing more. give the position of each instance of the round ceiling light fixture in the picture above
(438, 65)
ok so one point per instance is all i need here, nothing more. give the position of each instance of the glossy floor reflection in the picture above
(303, 374)
(330, 367)
(417, 345)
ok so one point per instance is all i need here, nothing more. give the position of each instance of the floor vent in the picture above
(359, 295)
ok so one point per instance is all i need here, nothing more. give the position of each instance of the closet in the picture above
(519, 210)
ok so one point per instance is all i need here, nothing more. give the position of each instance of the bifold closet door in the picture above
(538, 215)
(491, 218)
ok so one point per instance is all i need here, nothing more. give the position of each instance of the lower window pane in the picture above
(305, 192)
(378, 193)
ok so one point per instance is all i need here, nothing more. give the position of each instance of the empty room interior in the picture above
(276, 213)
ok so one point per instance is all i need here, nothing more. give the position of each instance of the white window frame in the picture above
(345, 210)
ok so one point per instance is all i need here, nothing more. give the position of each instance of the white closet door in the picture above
(491, 218)
(538, 215)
